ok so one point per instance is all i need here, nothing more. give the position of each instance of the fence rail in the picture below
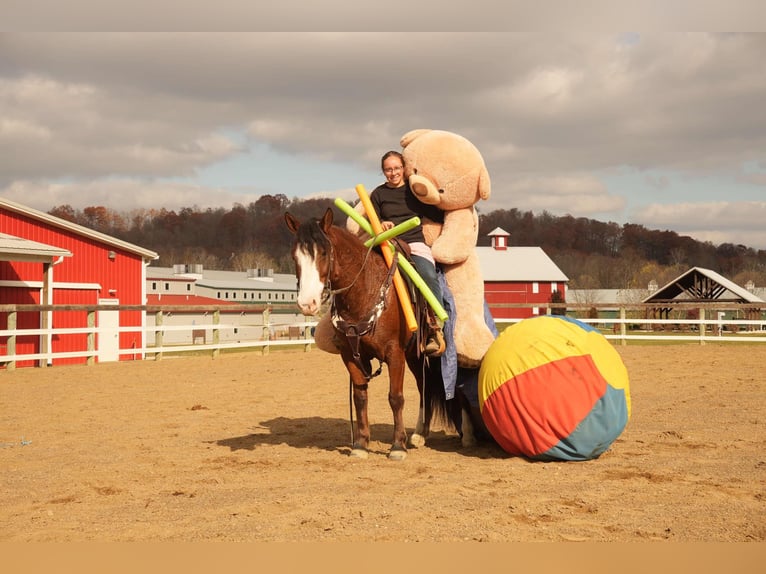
(730, 322)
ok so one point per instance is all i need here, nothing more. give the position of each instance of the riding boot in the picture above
(435, 344)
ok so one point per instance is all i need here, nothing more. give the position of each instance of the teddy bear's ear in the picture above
(411, 135)
(351, 224)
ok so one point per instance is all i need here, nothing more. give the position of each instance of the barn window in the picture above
(188, 286)
(167, 286)
(234, 295)
(154, 285)
(535, 287)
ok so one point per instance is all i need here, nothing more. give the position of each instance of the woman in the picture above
(395, 203)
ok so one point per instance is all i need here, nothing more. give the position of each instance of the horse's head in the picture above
(312, 255)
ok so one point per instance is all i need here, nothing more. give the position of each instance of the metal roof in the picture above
(518, 264)
(702, 285)
(14, 248)
(78, 229)
(216, 279)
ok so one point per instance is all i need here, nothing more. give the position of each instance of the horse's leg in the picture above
(428, 383)
(417, 368)
(467, 431)
(418, 437)
(396, 401)
(468, 436)
(359, 389)
(362, 431)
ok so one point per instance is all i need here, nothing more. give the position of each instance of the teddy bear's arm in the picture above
(352, 225)
(458, 236)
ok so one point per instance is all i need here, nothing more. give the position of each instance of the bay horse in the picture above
(368, 323)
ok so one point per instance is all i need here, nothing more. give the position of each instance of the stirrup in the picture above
(435, 345)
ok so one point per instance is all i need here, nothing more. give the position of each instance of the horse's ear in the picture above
(292, 223)
(326, 222)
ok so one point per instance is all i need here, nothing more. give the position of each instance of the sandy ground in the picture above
(247, 447)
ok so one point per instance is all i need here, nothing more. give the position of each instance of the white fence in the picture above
(715, 323)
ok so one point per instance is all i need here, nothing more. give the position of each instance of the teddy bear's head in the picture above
(444, 169)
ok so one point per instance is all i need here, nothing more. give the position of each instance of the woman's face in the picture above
(394, 171)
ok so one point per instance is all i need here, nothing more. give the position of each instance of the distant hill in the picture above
(593, 254)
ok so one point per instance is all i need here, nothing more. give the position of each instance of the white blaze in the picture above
(311, 287)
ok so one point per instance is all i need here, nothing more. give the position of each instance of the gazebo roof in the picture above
(700, 285)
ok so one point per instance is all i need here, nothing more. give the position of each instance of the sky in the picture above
(664, 129)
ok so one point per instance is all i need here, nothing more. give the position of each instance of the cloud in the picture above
(85, 113)
(122, 195)
(579, 195)
(62, 129)
(718, 222)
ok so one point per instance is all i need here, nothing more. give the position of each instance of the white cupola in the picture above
(499, 238)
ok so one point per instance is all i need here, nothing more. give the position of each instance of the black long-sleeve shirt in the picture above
(398, 204)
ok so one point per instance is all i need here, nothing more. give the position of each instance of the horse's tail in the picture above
(433, 396)
(439, 410)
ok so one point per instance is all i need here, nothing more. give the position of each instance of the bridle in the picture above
(354, 331)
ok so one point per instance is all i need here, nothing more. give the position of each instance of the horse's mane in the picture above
(311, 234)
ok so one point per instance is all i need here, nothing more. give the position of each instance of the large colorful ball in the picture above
(553, 388)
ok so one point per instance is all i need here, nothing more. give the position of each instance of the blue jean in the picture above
(427, 271)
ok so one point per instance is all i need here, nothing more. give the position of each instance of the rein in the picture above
(355, 331)
(329, 291)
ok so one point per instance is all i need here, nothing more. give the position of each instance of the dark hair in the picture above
(389, 154)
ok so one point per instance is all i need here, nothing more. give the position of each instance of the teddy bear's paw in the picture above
(468, 362)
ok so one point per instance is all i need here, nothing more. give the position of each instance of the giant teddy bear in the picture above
(446, 170)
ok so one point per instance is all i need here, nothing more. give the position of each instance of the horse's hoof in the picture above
(397, 454)
(358, 453)
(417, 440)
(468, 441)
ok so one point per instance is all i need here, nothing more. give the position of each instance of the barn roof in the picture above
(77, 229)
(218, 279)
(700, 285)
(14, 248)
(518, 264)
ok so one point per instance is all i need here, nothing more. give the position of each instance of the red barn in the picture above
(518, 275)
(48, 260)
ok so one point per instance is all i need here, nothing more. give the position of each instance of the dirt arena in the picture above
(247, 447)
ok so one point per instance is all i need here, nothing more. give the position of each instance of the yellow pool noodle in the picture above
(405, 265)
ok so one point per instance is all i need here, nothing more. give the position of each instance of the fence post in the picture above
(216, 333)
(623, 327)
(307, 335)
(11, 341)
(266, 330)
(702, 325)
(158, 336)
(91, 338)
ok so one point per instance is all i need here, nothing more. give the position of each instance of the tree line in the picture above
(593, 254)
